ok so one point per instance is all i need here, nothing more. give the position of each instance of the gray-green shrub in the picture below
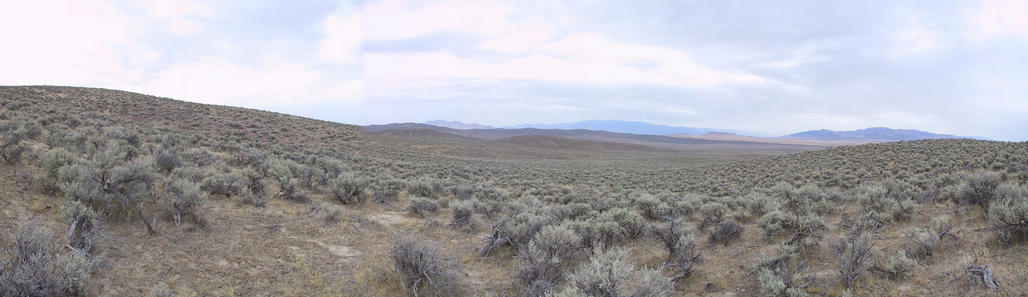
(779, 274)
(423, 269)
(898, 266)
(349, 188)
(1009, 213)
(923, 242)
(421, 206)
(33, 266)
(463, 215)
(540, 264)
(725, 232)
(85, 231)
(608, 273)
(183, 199)
(50, 163)
(681, 246)
(978, 188)
(854, 256)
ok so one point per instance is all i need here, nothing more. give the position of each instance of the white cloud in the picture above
(103, 44)
(217, 81)
(70, 43)
(178, 16)
(1001, 18)
(391, 19)
(915, 41)
(583, 59)
(516, 47)
(344, 35)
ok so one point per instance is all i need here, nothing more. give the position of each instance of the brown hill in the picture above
(560, 143)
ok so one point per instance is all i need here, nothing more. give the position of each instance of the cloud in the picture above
(513, 47)
(915, 41)
(219, 81)
(70, 43)
(999, 18)
(392, 20)
(179, 16)
(344, 35)
(957, 68)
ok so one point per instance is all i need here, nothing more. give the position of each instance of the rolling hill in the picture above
(655, 141)
(560, 143)
(632, 127)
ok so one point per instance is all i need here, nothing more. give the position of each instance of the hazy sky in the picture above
(772, 67)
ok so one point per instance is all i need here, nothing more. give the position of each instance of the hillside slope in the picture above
(194, 118)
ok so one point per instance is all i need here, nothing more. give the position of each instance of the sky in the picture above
(768, 67)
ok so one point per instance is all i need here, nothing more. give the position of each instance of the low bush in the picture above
(85, 231)
(713, 214)
(897, 266)
(631, 222)
(333, 213)
(923, 242)
(1009, 214)
(168, 160)
(33, 266)
(978, 189)
(183, 199)
(191, 173)
(50, 163)
(540, 264)
(681, 246)
(651, 207)
(779, 274)
(810, 230)
(725, 232)
(854, 256)
(424, 187)
(421, 206)
(228, 185)
(348, 188)
(290, 190)
(758, 204)
(885, 205)
(608, 273)
(463, 216)
(112, 189)
(11, 137)
(252, 181)
(423, 269)
(776, 221)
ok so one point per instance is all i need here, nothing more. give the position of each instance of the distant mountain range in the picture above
(875, 134)
(457, 125)
(870, 134)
